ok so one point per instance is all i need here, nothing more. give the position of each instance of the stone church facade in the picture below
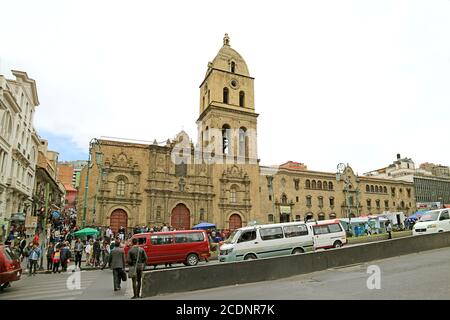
(218, 180)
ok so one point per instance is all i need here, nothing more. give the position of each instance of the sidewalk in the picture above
(214, 256)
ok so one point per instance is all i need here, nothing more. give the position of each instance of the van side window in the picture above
(196, 237)
(334, 227)
(271, 233)
(445, 216)
(189, 237)
(247, 236)
(181, 238)
(162, 239)
(142, 241)
(320, 230)
(295, 231)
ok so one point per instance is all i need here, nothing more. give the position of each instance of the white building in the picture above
(402, 169)
(18, 148)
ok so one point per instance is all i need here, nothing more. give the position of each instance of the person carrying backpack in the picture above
(66, 254)
(56, 260)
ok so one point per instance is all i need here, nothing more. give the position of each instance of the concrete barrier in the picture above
(226, 274)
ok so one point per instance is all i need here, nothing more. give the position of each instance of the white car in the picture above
(432, 222)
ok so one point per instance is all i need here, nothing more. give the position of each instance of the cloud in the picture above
(347, 81)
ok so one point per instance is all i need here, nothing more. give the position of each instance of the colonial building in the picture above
(219, 179)
(18, 148)
(291, 192)
(49, 192)
(431, 182)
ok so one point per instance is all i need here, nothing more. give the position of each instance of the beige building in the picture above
(18, 149)
(293, 193)
(219, 179)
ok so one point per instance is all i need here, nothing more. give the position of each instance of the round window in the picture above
(234, 84)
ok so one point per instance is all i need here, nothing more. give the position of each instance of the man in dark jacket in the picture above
(137, 258)
(97, 251)
(117, 263)
(66, 254)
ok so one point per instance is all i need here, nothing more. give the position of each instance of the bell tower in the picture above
(227, 107)
(227, 126)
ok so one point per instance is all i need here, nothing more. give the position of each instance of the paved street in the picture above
(93, 285)
(424, 275)
(420, 276)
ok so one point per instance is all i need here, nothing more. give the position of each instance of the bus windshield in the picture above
(233, 236)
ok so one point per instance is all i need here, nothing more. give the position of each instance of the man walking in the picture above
(137, 258)
(65, 255)
(117, 263)
(389, 230)
(78, 249)
(34, 256)
(50, 252)
(97, 252)
(105, 253)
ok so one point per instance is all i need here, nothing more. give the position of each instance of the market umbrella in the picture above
(204, 225)
(56, 214)
(86, 232)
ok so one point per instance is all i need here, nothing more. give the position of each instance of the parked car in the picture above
(432, 222)
(10, 269)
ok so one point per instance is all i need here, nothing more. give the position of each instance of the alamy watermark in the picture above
(73, 282)
(374, 280)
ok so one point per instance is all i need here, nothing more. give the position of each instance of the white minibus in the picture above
(432, 222)
(328, 234)
(263, 241)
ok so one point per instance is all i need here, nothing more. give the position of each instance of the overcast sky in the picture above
(335, 81)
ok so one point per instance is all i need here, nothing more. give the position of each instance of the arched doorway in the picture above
(284, 217)
(235, 221)
(119, 218)
(180, 217)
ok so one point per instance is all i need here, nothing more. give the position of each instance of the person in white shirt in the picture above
(109, 233)
(88, 250)
(165, 228)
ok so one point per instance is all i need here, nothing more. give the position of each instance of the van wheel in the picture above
(298, 251)
(192, 259)
(250, 257)
(4, 286)
(337, 244)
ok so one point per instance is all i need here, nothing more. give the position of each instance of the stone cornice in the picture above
(214, 107)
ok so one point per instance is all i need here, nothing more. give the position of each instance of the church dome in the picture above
(228, 59)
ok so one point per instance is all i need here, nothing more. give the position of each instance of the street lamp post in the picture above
(341, 171)
(94, 141)
(99, 161)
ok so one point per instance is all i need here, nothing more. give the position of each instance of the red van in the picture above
(10, 269)
(186, 246)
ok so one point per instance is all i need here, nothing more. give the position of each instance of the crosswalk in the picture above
(49, 286)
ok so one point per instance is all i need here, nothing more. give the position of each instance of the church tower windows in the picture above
(241, 99)
(225, 95)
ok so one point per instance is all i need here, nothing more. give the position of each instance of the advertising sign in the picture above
(30, 222)
(285, 209)
(424, 206)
